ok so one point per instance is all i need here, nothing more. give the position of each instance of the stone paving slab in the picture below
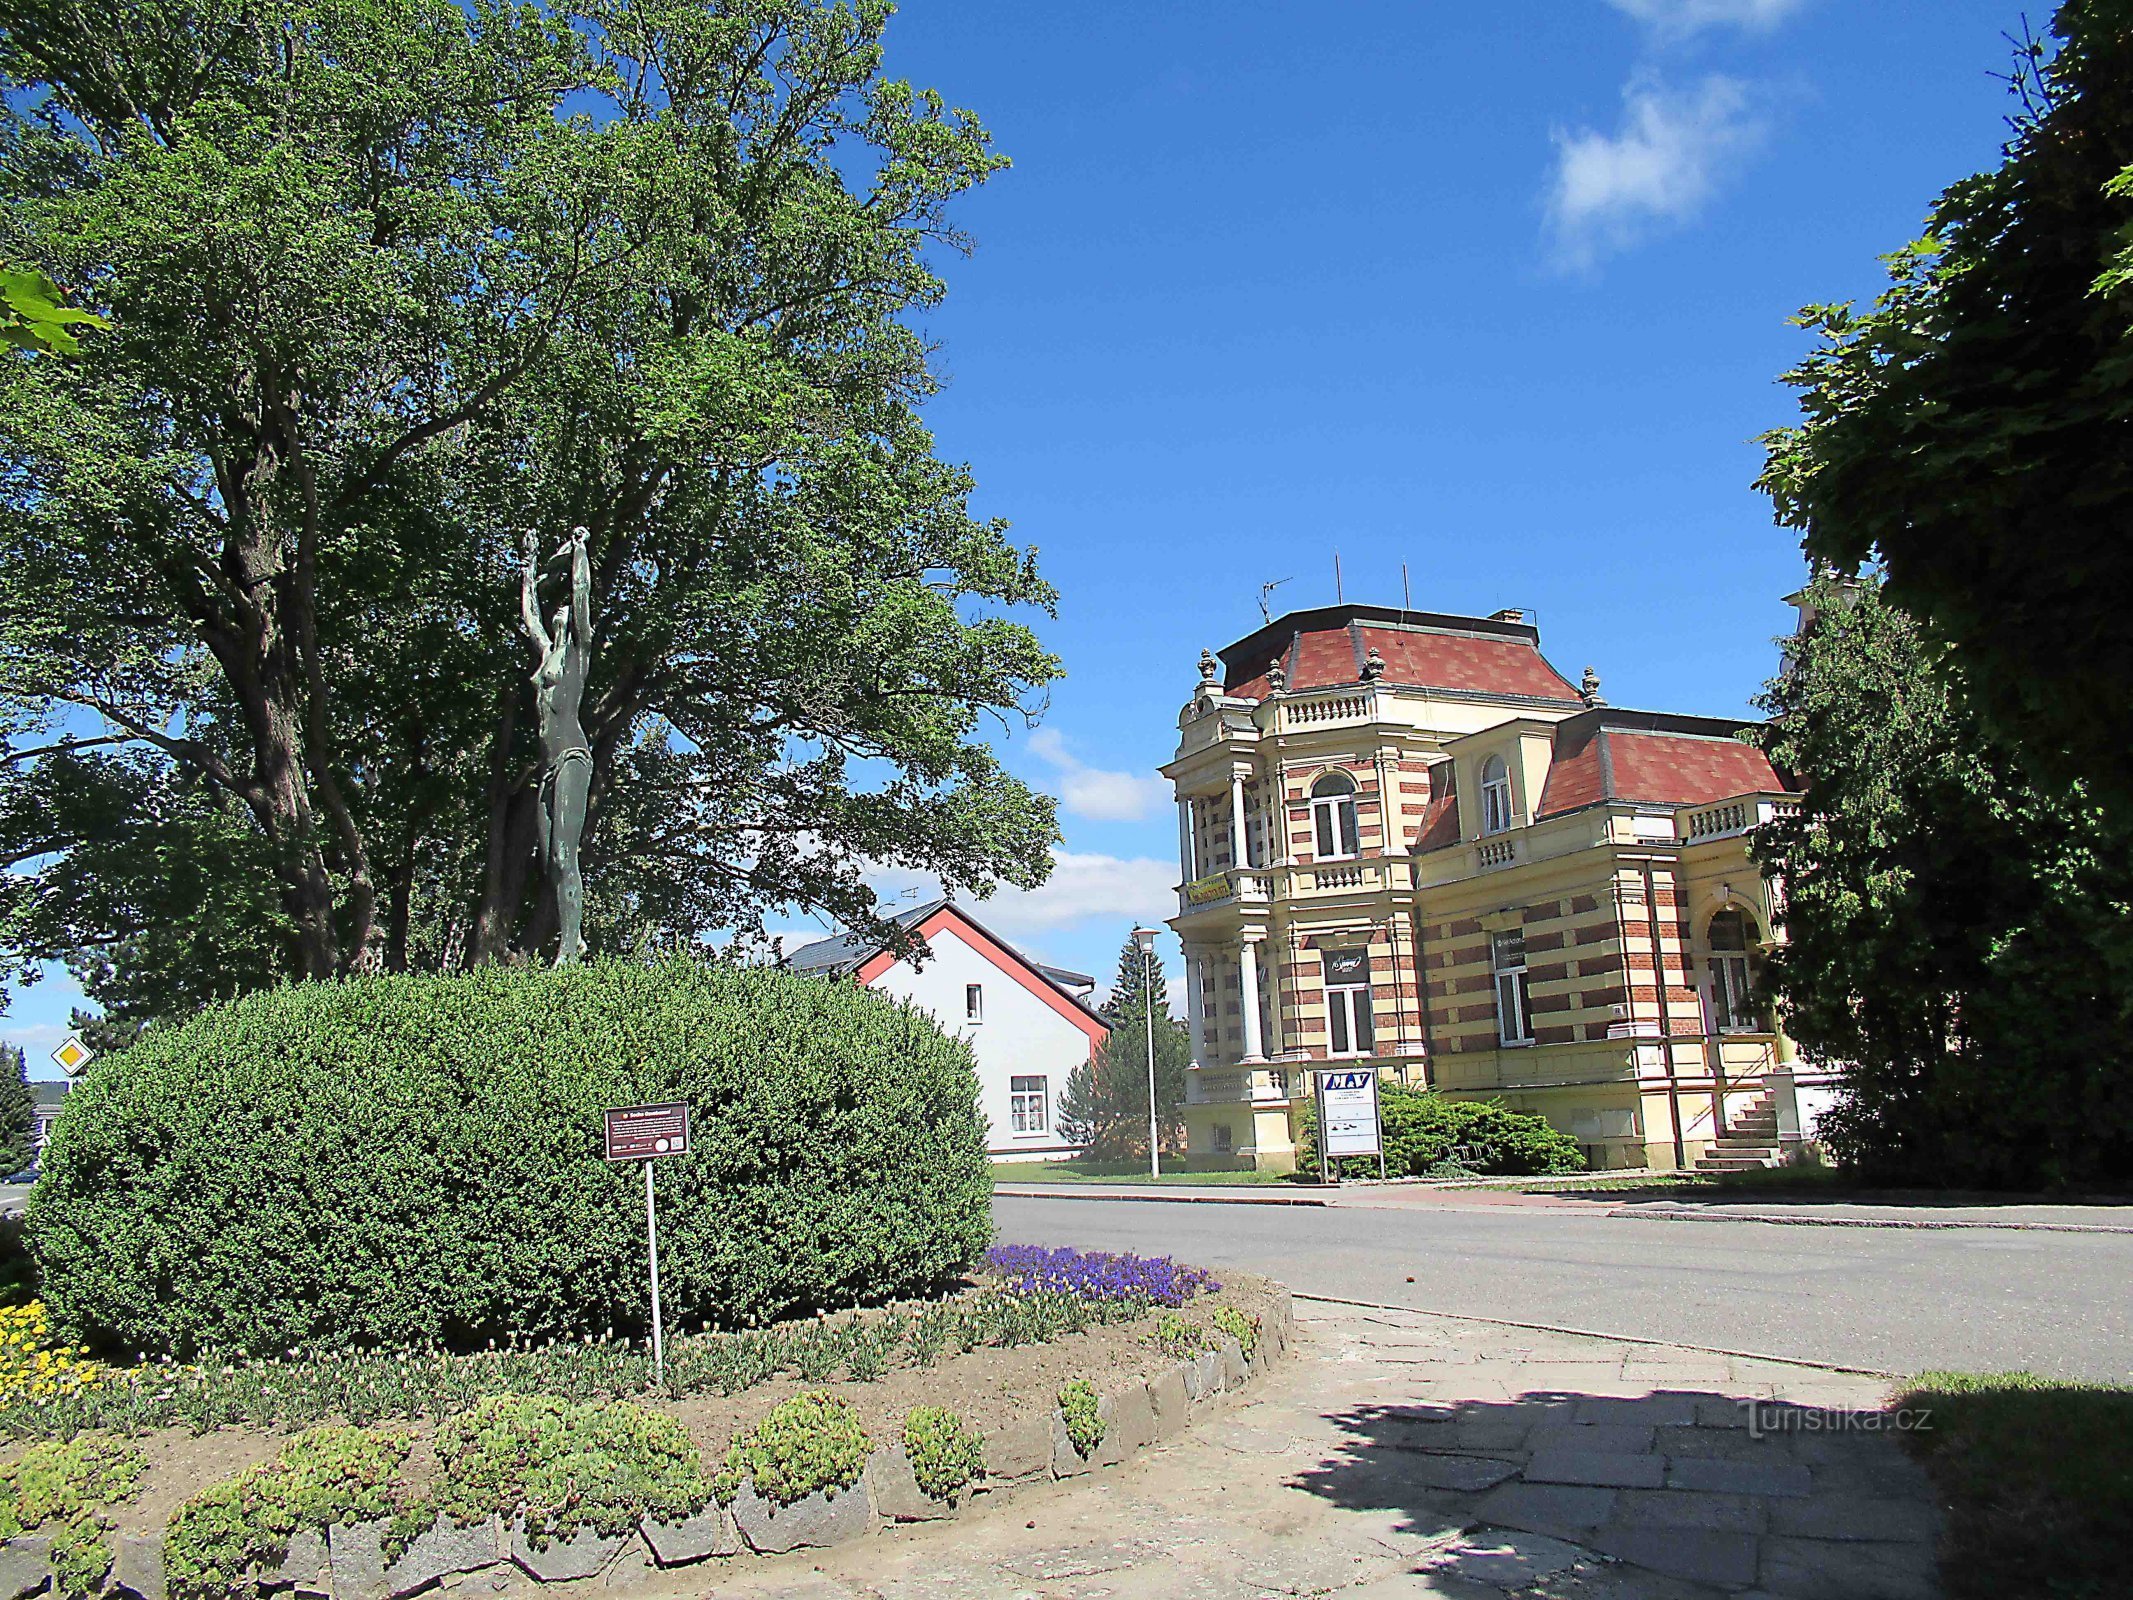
(1359, 1472)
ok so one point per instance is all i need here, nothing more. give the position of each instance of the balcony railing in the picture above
(1730, 818)
(1496, 853)
(1322, 712)
(1249, 884)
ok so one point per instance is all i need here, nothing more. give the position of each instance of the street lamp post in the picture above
(1144, 938)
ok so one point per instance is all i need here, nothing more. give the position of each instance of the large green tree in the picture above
(18, 1113)
(1959, 932)
(390, 281)
(1104, 1107)
(1968, 433)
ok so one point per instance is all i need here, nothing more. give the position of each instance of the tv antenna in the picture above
(1266, 612)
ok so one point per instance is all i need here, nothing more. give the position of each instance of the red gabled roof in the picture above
(1440, 822)
(1328, 647)
(1642, 756)
(1012, 962)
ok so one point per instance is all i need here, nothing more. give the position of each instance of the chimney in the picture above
(1508, 614)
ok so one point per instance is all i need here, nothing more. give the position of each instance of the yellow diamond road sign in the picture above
(72, 1055)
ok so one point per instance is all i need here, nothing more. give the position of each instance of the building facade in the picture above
(1028, 1024)
(1407, 840)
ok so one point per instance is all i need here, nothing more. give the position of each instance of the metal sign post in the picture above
(645, 1133)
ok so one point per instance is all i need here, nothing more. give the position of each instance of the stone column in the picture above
(1186, 863)
(1240, 841)
(1248, 986)
(1195, 1017)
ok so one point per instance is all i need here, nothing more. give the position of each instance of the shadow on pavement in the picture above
(1675, 1494)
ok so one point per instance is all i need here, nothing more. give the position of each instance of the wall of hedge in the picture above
(418, 1159)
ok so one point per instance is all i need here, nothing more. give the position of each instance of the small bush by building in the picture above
(418, 1160)
(1424, 1130)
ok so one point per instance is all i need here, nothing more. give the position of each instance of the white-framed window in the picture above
(974, 1002)
(1732, 975)
(1333, 824)
(1514, 1001)
(1495, 795)
(1349, 1031)
(1029, 1108)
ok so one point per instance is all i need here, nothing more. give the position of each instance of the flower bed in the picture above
(840, 1425)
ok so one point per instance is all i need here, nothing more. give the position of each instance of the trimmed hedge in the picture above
(417, 1160)
(1423, 1128)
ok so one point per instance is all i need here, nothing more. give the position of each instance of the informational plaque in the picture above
(1348, 1102)
(644, 1133)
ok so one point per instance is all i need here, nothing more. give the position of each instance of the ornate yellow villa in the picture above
(1407, 840)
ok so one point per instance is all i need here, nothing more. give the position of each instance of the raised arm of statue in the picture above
(581, 609)
(529, 599)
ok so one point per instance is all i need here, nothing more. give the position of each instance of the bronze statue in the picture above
(565, 650)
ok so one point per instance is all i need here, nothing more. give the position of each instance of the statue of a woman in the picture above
(565, 649)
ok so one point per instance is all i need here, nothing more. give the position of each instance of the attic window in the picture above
(1495, 795)
(974, 1002)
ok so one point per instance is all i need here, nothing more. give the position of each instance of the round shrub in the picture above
(418, 1160)
(1422, 1128)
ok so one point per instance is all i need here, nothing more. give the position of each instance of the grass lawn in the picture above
(1076, 1172)
(2038, 1478)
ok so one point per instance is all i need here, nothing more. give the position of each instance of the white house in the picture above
(1028, 1024)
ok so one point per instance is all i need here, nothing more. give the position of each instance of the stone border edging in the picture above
(1592, 1333)
(1021, 1192)
(345, 1563)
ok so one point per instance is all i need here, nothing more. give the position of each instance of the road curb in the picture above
(1786, 1219)
(1595, 1333)
(1018, 1192)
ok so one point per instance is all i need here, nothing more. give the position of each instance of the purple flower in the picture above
(1097, 1275)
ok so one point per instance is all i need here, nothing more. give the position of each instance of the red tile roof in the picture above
(1659, 760)
(1326, 649)
(1440, 823)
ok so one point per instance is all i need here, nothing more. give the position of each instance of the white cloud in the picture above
(1092, 792)
(1676, 19)
(1669, 157)
(1085, 887)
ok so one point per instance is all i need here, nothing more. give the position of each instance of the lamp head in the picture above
(1145, 938)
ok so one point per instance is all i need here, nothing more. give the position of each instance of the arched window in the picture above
(1495, 795)
(1731, 937)
(1333, 816)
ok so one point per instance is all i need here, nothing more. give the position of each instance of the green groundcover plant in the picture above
(808, 1443)
(391, 1160)
(1424, 1130)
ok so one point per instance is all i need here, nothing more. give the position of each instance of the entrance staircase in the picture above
(1751, 1140)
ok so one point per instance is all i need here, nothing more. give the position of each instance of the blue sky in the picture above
(1498, 291)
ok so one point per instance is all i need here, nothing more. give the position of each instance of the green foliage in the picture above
(1104, 1106)
(811, 1442)
(325, 1477)
(1178, 1335)
(1964, 433)
(1243, 1329)
(1423, 1130)
(1084, 1422)
(370, 1387)
(659, 269)
(561, 1466)
(945, 1452)
(1957, 931)
(18, 1113)
(34, 315)
(65, 1483)
(396, 1160)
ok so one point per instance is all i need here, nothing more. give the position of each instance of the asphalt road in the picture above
(1884, 1299)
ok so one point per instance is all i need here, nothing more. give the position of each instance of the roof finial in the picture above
(1589, 690)
(1373, 666)
(1277, 679)
(1209, 666)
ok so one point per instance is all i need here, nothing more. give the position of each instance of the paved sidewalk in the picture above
(1408, 1454)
